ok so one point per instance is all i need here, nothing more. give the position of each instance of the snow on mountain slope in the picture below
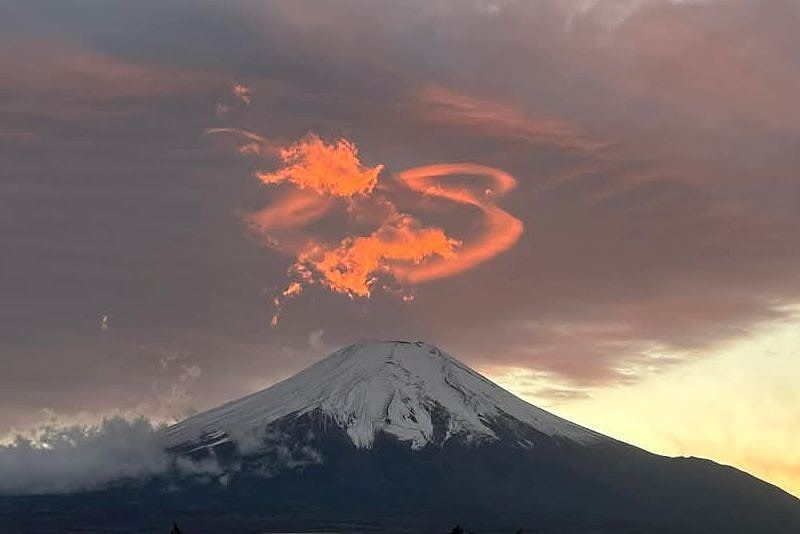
(387, 386)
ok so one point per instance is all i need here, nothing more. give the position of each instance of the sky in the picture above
(592, 202)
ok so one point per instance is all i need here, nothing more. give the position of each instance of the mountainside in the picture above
(401, 437)
(391, 387)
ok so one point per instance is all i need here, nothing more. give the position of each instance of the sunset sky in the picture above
(595, 203)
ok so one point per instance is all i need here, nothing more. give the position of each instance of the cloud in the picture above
(439, 105)
(59, 459)
(242, 93)
(173, 392)
(401, 246)
(538, 386)
(352, 266)
(326, 176)
(65, 81)
(315, 341)
(328, 169)
(714, 62)
(500, 231)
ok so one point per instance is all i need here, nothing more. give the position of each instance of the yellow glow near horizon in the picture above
(738, 405)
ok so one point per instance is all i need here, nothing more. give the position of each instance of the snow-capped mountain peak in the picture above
(395, 387)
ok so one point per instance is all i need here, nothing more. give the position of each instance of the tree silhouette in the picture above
(175, 529)
(457, 530)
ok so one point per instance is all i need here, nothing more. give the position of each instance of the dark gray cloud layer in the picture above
(655, 148)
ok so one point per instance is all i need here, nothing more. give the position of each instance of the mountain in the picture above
(401, 437)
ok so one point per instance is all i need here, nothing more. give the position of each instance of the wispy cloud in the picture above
(62, 80)
(473, 116)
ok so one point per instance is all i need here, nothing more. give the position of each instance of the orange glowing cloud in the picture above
(352, 267)
(501, 229)
(390, 247)
(292, 210)
(401, 248)
(327, 169)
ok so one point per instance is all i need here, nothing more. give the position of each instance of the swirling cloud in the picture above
(501, 230)
(382, 246)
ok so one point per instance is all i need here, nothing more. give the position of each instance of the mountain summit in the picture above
(412, 391)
